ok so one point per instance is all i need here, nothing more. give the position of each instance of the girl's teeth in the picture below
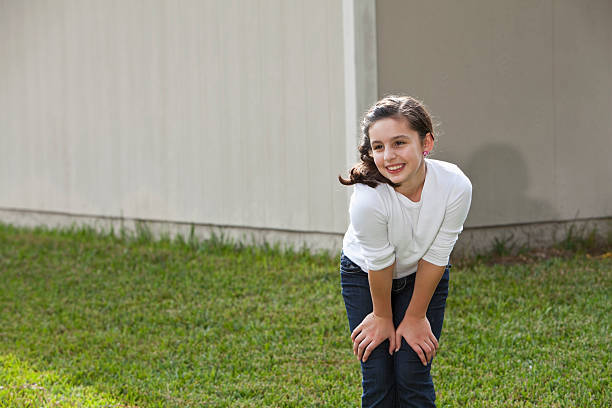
(395, 167)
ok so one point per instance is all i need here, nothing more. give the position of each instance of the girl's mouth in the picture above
(396, 168)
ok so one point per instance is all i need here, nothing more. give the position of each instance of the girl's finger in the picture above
(427, 349)
(417, 349)
(368, 351)
(434, 341)
(432, 350)
(355, 332)
(356, 342)
(398, 340)
(392, 344)
(362, 347)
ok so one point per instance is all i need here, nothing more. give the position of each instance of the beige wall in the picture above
(238, 115)
(523, 94)
(220, 112)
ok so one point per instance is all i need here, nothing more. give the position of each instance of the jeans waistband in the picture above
(400, 283)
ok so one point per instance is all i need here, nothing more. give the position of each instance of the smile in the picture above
(395, 168)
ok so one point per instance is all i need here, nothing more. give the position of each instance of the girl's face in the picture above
(397, 149)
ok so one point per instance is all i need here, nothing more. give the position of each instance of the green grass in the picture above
(90, 320)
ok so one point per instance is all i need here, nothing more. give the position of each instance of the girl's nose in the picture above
(389, 154)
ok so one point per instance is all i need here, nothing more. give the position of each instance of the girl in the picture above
(406, 213)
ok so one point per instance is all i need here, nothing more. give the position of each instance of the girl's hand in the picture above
(418, 335)
(372, 331)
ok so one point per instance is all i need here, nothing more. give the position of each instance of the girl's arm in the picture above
(378, 325)
(426, 280)
(415, 327)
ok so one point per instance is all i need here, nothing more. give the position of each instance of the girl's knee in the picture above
(378, 377)
(412, 379)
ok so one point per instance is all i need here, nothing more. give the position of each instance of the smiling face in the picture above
(397, 151)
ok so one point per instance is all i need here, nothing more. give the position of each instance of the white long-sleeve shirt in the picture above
(386, 226)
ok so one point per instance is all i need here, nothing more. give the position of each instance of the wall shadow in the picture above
(501, 182)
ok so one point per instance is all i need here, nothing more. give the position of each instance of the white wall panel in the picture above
(583, 93)
(220, 112)
(523, 93)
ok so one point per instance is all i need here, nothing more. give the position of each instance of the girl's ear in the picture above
(428, 143)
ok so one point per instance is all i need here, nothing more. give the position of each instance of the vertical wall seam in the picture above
(554, 103)
(350, 94)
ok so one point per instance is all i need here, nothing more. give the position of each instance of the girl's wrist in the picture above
(379, 315)
(413, 314)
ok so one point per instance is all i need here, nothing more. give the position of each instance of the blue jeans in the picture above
(400, 380)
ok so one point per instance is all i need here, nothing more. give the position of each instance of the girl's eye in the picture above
(376, 147)
(400, 142)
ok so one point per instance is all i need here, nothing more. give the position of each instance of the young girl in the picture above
(406, 213)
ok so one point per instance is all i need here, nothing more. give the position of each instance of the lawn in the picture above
(90, 320)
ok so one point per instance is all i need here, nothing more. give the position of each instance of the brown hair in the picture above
(390, 106)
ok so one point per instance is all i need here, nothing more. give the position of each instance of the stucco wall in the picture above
(522, 91)
(237, 116)
(213, 112)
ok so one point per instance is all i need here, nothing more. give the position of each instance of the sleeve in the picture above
(452, 224)
(370, 225)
